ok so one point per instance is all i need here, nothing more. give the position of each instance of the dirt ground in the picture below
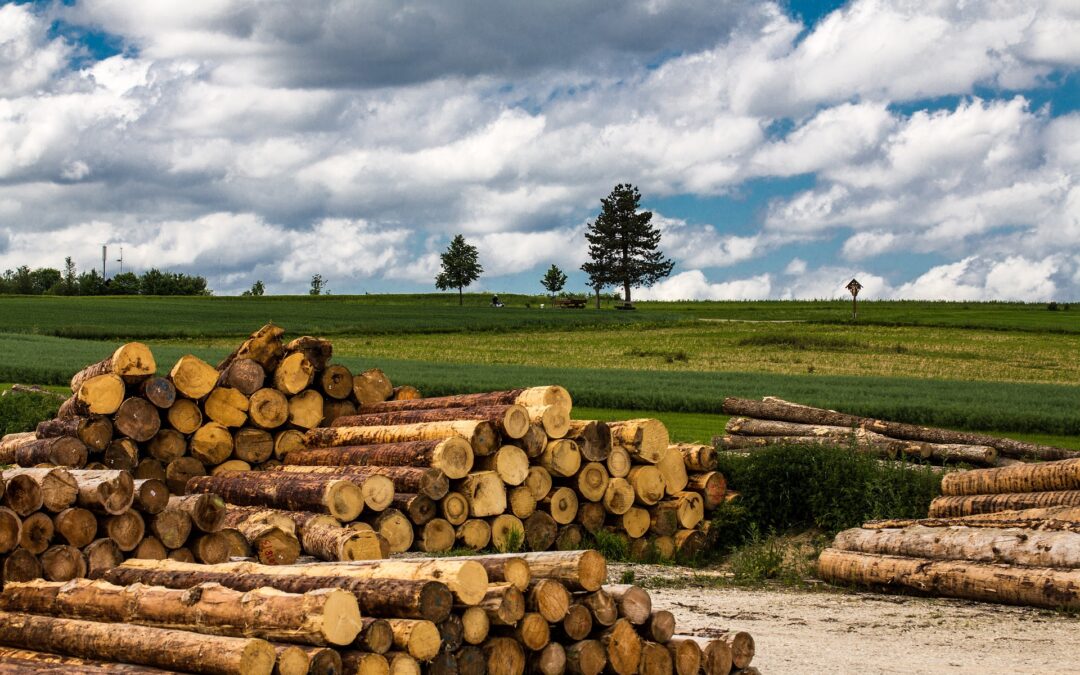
(835, 631)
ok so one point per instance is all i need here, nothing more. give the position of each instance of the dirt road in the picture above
(829, 631)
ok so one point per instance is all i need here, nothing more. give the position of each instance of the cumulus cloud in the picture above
(693, 285)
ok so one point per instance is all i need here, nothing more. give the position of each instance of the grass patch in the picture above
(801, 342)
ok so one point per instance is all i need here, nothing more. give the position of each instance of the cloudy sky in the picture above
(931, 148)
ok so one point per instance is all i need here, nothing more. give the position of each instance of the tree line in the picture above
(624, 251)
(50, 281)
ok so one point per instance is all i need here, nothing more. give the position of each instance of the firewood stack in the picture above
(773, 421)
(546, 613)
(61, 524)
(1008, 535)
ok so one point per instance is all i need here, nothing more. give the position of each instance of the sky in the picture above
(929, 148)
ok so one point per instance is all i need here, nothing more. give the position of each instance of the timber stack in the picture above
(546, 613)
(1009, 535)
(773, 421)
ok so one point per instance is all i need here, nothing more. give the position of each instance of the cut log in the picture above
(562, 504)
(623, 647)
(475, 625)
(688, 545)
(1031, 548)
(126, 529)
(396, 529)
(74, 526)
(291, 660)
(263, 346)
(151, 495)
(454, 508)
(578, 622)
(504, 604)
(207, 511)
(430, 482)
(122, 454)
(405, 392)
(1032, 586)
(95, 432)
(635, 522)
(481, 435)
(22, 565)
(334, 408)
(776, 409)
(538, 482)
(549, 598)
(253, 446)
(586, 657)
(36, 533)
(533, 442)
(553, 419)
(504, 656)
(522, 503)
(673, 469)
(561, 457)
(167, 445)
(137, 419)
(533, 632)
(227, 406)
(363, 663)
(323, 494)
(100, 395)
(686, 656)
(532, 397)
(619, 496)
(28, 450)
(474, 533)
(172, 527)
(507, 533)
(944, 507)
(418, 508)
(618, 462)
(306, 409)
(18, 661)
(591, 516)
(711, 486)
(593, 438)
(655, 659)
(645, 439)
(268, 408)
(592, 481)
(370, 387)
(437, 536)
(182, 554)
(648, 484)
(509, 462)
(633, 603)
(1051, 476)
(185, 416)
(150, 468)
(151, 548)
(511, 420)
(193, 377)
(58, 487)
(660, 626)
(485, 493)
(540, 531)
(697, 458)
(210, 548)
(453, 456)
(551, 660)
(324, 538)
(105, 491)
(133, 362)
(286, 441)
(159, 647)
(664, 519)
(336, 382)
(180, 471)
(243, 375)
(212, 443)
(63, 563)
(577, 570)
(689, 509)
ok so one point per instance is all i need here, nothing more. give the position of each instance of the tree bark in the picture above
(263, 346)
(1051, 476)
(244, 375)
(430, 482)
(95, 432)
(1032, 586)
(28, 450)
(481, 435)
(513, 420)
(163, 648)
(453, 456)
(945, 507)
(534, 396)
(58, 488)
(320, 494)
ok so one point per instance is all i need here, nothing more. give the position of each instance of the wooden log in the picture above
(167, 445)
(648, 484)
(453, 456)
(402, 664)
(104, 491)
(503, 603)
(522, 502)
(481, 435)
(306, 409)
(159, 647)
(645, 439)
(270, 533)
(562, 504)
(323, 494)
(193, 377)
(22, 565)
(553, 419)
(592, 481)
(451, 632)
(633, 603)
(504, 656)
(230, 465)
(36, 532)
(151, 495)
(336, 382)
(405, 392)
(254, 446)
(474, 533)
(158, 390)
(62, 563)
(512, 420)
(540, 531)
(437, 536)
(133, 362)
(539, 482)
(944, 507)
(604, 610)
(655, 659)
(593, 438)
(586, 657)
(95, 432)
(179, 471)
(485, 493)
(244, 375)
(323, 660)
(291, 660)
(122, 454)
(58, 489)
(591, 516)
(475, 625)
(776, 409)
(18, 661)
(578, 622)
(126, 529)
(419, 509)
(207, 511)
(1032, 548)
(509, 462)
(549, 598)
(334, 408)
(100, 395)
(697, 457)
(377, 636)
(172, 527)
(533, 442)
(711, 486)
(363, 663)
(454, 508)
(137, 419)
(532, 397)
(184, 415)
(635, 522)
(212, 444)
(324, 538)
(660, 626)
(533, 632)
(28, 450)
(268, 408)
(371, 386)
(551, 660)
(182, 554)
(1050, 476)
(286, 441)
(319, 617)
(672, 468)
(151, 548)
(149, 468)
(686, 656)
(430, 482)
(393, 526)
(210, 548)
(263, 346)
(577, 570)
(507, 533)
(561, 458)
(623, 647)
(1032, 586)
(227, 406)
(74, 526)
(689, 509)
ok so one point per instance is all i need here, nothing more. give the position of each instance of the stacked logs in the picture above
(773, 421)
(546, 613)
(1008, 535)
(61, 524)
(509, 469)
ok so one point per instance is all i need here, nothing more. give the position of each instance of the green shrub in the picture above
(22, 412)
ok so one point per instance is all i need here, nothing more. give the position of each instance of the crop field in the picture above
(996, 367)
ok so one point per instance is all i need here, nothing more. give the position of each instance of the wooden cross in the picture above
(854, 286)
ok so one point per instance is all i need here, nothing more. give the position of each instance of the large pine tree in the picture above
(624, 245)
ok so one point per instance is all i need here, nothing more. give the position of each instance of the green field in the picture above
(1003, 368)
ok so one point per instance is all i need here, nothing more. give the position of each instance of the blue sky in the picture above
(930, 148)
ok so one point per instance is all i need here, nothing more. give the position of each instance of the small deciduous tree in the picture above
(71, 278)
(317, 285)
(257, 289)
(460, 267)
(624, 244)
(554, 280)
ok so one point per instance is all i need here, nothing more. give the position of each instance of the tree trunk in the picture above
(481, 435)
(396, 529)
(95, 432)
(151, 496)
(268, 408)
(63, 563)
(1035, 587)
(193, 377)
(593, 438)
(126, 529)
(185, 416)
(227, 406)
(513, 420)
(623, 647)
(633, 602)
(133, 362)
(207, 511)
(461, 296)
(325, 538)
(945, 507)
(76, 527)
(648, 484)
(163, 648)
(618, 462)
(320, 494)
(105, 491)
(533, 442)
(28, 450)
(776, 409)
(540, 531)
(504, 656)
(697, 457)
(430, 482)
(485, 493)
(619, 496)
(263, 346)
(179, 471)
(591, 516)
(453, 456)
(530, 397)
(645, 439)
(57, 486)
(20, 661)
(586, 657)
(1051, 476)
(336, 382)
(137, 419)
(711, 486)
(36, 533)
(419, 508)
(371, 387)
(561, 458)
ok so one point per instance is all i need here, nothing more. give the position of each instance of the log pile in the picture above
(1008, 535)
(773, 421)
(544, 613)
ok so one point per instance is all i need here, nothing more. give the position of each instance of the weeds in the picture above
(801, 342)
(614, 547)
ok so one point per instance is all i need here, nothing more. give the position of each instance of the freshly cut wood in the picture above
(101, 555)
(316, 350)
(333, 408)
(648, 484)
(122, 454)
(263, 346)
(511, 420)
(28, 450)
(405, 392)
(207, 511)
(475, 625)
(592, 481)
(686, 656)
(944, 507)
(673, 469)
(100, 395)
(481, 435)
(244, 375)
(1049, 476)
(551, 660)
(254, 446)
(1032, 548)
(623, 647)
(150, 468)
(1010, 585)
(532, 397)
(454, 508)
(418, 508)
(561, 457)
(370, 387)
(193, 377)
(453, 456)
(689, 509)
(742, 648)
(363, 663)
(504, 656)
(584, 570)
(688, 545)
(210, 548)
(437, 536)
(37, 531)
(179, 471)
(291, 660)
(664, 519)
(63, 563)
(137, 419)
(151, 548)
(269, 532)
(185, 416)
(336, 382)
(126, 529)
(430, 482)
(697, 458)
(132, 362)
(159, 647)
(538, 482)
(286, 441)
(634, 604)
(540, 531)
(562, 504)
(776, 409)
(522, 502)
(619, 496)
(396, 529)
(510, 462)
(570, 538)
(711, 486)
(268, 408)
(553, 419)
(167, 445)
(227, 406)
(593, 438)
(507, 533)
(533, 442)
(474, 533)
(95, 432)
(18, 661)
(485, 493)
(22, 565)
(182, 554)
(58, 487)
(306, 409)
(377, 636)
(655, 659)
(645, 439)
(172, 527)
(618, 462)
(212, 443)
(504, 604)
(635, 522)
(322, 494)
(660, 626)
(238, 544)
(549, 598)
(104, 491)
(586, 657)
(75, 526)
(591, 516)
(578, 622)
(533, 632)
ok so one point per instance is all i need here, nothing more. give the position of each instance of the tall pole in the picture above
(854, 313)
(104, 252)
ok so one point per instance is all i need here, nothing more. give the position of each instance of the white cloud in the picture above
(693, 285)
(975, 278)
(28, 58)
(868, 244)
(795, 267)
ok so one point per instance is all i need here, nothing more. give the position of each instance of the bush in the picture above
(22, 412)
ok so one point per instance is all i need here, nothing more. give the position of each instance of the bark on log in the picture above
(1066, 518)
(1032, 586)
(512, 420)
(944, 507)
(776, 409)
(100, 395)
(645, 439)
(535, 396)
(58, 487)
(133, 362)
(481, 435)
(430, 482)
(323, 494)
(159, 647)
(75, 526)
(18, 661)
(577, 570)
(95, 432)
(28, 450)
(453, 456)
(104, 491)
(1051, 476)
(1031, 548)
(263, 346)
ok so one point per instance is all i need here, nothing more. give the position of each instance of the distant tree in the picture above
(91, 283)
(624, 245)
(317, 285)
(460, 267)
(22, 282)
(45, 280)
(554, 280)
(155, 282)
(124, 284)
(256, 290)
(71, 278)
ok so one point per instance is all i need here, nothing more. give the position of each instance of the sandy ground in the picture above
(830, 631)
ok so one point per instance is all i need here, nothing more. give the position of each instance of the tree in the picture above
(71, 277)
(460, 267)
(126, 283)
(317, 285)
(91, 283)
(624, 245)
(45, 280)
(257, 289)
(554, 280)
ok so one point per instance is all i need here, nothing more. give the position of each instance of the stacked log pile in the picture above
(1008, 535)
(773, 421)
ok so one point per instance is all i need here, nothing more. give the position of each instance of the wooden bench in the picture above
(572, 303)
